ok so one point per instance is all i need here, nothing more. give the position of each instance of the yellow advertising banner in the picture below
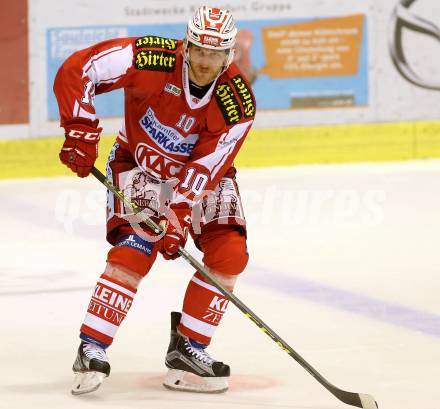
(318, 48)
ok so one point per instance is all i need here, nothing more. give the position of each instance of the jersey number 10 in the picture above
(194, 181)
(185, 122)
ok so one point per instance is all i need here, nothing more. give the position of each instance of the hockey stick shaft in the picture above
(350, 398)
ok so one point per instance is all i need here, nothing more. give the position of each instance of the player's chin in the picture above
(207, 77)
(200, 80)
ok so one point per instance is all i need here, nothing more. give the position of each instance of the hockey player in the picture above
(188, 110)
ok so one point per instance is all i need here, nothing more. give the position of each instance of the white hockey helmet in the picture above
(212, 28)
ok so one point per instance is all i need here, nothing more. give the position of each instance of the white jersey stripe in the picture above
(197, 326)
(215, 160)
(217, 167)
(76, 109)
(80, 112)
(100, 325)
(89, 63)
(116, 287)
(110, 80)
(123, 137)
(205, 285)
(108, 66)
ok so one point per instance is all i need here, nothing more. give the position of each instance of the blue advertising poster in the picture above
(292, 63)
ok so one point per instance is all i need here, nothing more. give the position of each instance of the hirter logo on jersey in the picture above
(156, 42)
(228, 103)
(245, 96)
(166, 137)
(155, 61)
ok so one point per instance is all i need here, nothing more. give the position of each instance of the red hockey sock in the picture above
(107, 309)
(203, 308)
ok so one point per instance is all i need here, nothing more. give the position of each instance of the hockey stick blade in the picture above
(368, 402)
(354, 399)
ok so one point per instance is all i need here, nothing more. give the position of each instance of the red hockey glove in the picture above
(176, 230)
(80, 149)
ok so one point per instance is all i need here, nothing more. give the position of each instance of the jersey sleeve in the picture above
(100, 68)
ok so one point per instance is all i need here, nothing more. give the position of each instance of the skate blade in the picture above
(86, 382)
(183, 381)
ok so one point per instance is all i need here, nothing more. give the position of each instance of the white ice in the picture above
(344, 266)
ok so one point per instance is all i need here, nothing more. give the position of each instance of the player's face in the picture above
(205, 64)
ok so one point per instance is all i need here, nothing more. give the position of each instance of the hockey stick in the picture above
(350, 398)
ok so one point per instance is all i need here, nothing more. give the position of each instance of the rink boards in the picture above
(263, 147)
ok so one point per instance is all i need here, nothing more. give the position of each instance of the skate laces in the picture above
(198, 351)
(93, 351)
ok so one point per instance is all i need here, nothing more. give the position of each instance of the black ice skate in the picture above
(191, 368)
(91, 366)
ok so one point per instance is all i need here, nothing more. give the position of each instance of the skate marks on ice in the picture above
(137, 389)
(237, 383)
(36, 279)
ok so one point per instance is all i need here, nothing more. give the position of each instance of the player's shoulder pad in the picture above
(234, 96)
(154, 53)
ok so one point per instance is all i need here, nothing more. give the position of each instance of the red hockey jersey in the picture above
(168, 132)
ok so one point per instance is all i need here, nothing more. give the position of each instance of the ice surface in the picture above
(344, 266)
